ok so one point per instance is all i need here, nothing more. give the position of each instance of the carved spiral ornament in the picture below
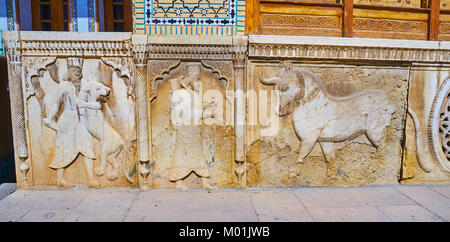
(439, 126)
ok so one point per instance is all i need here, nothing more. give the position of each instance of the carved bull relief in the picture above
(310, 115)
(320, 117)
(81, 110)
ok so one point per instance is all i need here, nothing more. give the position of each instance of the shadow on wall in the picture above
(7, 169)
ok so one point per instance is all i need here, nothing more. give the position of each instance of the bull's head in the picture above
(287, 82)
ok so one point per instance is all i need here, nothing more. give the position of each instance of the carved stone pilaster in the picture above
(13, 52)
(144, 146)
(240, 53)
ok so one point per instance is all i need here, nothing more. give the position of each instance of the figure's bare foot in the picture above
(64, 184)
(180, 185)
(100, 171)
(206, 185)
(113, 175)
(94, 183)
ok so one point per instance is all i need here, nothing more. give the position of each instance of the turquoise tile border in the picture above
(190, 17)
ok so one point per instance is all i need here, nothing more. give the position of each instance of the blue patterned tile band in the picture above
(191, 12)
(91, 13)
(74, 16)
(10, 13)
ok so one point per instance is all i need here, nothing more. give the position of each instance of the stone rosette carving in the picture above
(438, 128)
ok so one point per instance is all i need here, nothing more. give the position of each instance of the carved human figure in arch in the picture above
(187, 153)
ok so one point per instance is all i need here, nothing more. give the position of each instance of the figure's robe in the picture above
(72, 137)
(188, 154)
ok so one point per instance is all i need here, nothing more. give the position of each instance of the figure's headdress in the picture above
(75, 62)
(193, 69)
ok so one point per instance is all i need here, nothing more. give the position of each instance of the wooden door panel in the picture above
(396, 19)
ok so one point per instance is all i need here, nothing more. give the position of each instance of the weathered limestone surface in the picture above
(179, 149)
(122, 110)
(74, 109)
(103, 133)
(366, 108)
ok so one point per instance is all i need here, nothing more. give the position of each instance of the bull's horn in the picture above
(270, 80)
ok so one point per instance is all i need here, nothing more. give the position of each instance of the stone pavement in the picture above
(6, 189)
(372, 203)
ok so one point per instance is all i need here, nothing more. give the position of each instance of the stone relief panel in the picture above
(338, 124)
(425, 157)
(81, 119)
(162, 113)
(192, 125)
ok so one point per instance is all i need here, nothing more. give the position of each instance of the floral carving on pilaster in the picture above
(240, 44)
(142, 106)
(140, 53)
(14, 55)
